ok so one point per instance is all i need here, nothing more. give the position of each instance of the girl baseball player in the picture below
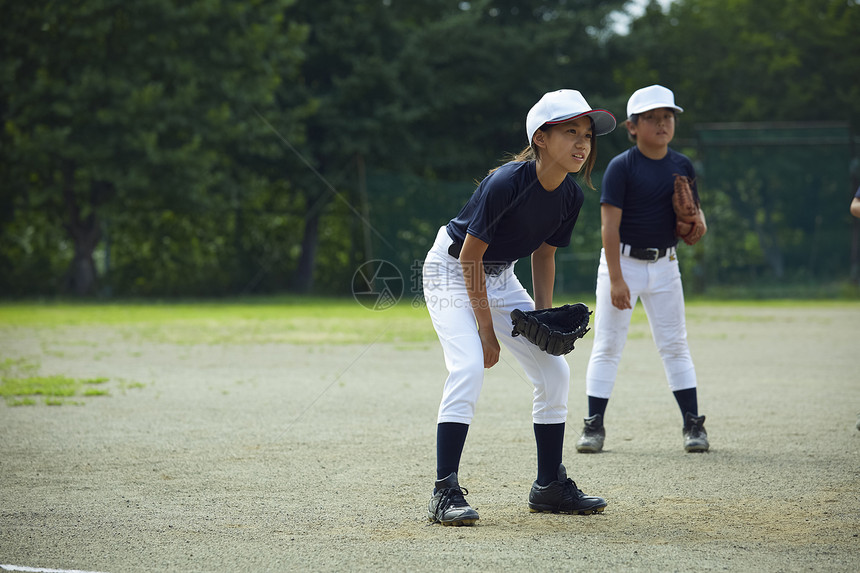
(638, 261)
(527, 207)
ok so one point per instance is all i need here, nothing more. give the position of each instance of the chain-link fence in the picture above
(776, 197)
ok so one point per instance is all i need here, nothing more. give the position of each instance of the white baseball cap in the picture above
(563, 105)
(652, 97)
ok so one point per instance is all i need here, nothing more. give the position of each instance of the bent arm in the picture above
(855, 207)
(543, 275)
(472, 262)
(610, 224)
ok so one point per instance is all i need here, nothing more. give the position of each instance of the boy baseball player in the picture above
(639, 261)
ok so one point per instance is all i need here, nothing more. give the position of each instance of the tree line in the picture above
(218, 147)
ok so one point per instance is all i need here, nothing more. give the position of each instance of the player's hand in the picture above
(692, 232)
(701, 225)
(491, 347)
(620, 294)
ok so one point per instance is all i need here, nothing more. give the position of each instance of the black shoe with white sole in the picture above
(448, 506)
(562, 496)
(695, 436)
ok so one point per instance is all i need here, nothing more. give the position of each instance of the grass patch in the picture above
(40, 386)
(95, 392)
(17, 365)
(55, 390)
(19, 386)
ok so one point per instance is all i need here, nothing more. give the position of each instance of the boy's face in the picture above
(655, 127)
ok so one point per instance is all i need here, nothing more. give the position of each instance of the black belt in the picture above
(644, 254)
(492, 269)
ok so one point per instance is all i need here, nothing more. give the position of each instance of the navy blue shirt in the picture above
(512, 212)
(642, 188)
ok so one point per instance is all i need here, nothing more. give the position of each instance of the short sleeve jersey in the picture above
(857, 194)
(642, 188)
(512, 212)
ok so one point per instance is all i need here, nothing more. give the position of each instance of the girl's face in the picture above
(568, 144)
(655, 127)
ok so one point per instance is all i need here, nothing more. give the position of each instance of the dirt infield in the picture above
(278, 457)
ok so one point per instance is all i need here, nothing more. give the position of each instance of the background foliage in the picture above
(218, 147)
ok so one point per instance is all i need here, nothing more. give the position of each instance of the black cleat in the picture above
(563, 496)
(695, 436)
(593, 434)
(448, 506)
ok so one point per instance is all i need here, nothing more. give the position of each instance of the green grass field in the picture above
(293, 320)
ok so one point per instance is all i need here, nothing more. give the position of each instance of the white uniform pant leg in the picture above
(664, 306)
(611, 325)
(549, 375)
(454, 321)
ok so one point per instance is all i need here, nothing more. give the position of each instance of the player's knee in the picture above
(675, 351)
(610, 347)
(551, 396)
(472, 369)
(557, 368)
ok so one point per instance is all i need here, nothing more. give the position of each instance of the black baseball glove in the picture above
(553, 330)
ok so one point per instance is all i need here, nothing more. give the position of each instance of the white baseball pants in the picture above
(452, 316)
(659, 286)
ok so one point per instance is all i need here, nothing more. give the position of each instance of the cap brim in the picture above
(604, 122)
(657, 106)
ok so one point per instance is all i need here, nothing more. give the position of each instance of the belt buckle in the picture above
(655, 254)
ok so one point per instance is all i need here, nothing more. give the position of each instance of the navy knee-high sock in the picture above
(687, 401)
(597, 406)
(450, 439)
(550, 442)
